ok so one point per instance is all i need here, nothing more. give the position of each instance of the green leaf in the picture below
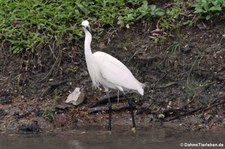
(215, 8)
(199, 10)
(160, 13)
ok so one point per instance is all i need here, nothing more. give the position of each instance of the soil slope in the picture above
(183, 70)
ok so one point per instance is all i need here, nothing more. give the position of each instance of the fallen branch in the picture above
(166, 85)
(100, 109)
(214, 103)
(184, 114)
(104, 100)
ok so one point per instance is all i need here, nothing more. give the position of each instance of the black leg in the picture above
(131, 110)
(110, 111)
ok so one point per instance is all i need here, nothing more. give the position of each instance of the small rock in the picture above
(161, 116)
(76, 97)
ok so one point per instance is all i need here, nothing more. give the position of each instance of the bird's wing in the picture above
(116, 72)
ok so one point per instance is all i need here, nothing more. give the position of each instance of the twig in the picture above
(166, 85)
(51, 49)
(173, 111)
(56, 64)
(185, 114)
(104, 100)
(100, 109)
(214, 103)
(52, 86)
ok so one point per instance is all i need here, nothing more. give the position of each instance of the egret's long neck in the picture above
(87, 44)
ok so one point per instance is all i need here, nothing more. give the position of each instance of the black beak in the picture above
(87, 28)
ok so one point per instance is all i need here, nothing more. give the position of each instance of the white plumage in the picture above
(108, 71)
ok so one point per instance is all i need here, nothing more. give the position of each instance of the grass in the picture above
(31, 25)
(50, 111)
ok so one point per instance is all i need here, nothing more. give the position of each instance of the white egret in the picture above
(109, 72)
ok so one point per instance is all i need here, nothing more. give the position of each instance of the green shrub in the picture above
(29, 25)
(32, 24)
(207, 8)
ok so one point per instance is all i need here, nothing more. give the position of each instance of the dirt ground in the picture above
(183, 70)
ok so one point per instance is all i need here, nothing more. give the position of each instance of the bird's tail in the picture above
(141, 88)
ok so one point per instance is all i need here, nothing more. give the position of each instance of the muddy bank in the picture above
(183, 71)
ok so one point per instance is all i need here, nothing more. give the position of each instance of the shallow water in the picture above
(125, 139)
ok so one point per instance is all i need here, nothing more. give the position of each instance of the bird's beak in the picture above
(87, 28)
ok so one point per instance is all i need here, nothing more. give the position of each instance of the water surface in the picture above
(125, 139)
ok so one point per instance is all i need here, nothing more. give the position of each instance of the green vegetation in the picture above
(50, 111)
(143, 11)
(31, 25)
(208, 8)
(172, 16)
